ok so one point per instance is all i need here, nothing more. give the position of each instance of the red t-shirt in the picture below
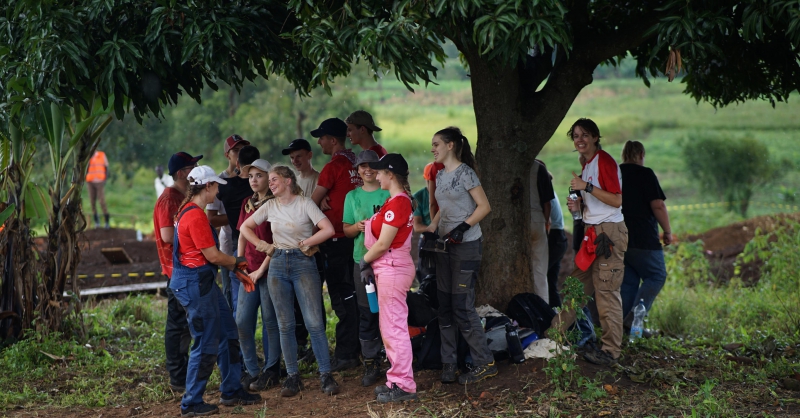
(164, 217)
(194, 234)
(431, 170)
(379, 149)
(397, 212)
(339, 177)
(254, 257)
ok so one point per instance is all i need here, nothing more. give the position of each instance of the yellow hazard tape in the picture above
(708, 205)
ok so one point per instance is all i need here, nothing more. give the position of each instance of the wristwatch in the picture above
(589, 188)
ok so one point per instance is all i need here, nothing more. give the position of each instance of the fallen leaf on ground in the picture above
(611, 389)
(604, 413)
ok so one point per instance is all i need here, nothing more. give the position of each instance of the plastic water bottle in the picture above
(372, 297)
(573, 195)
(638, 321)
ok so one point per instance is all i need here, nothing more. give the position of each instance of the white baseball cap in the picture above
(204, 174)
(260, 164)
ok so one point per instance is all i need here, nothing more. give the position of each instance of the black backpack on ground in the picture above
(428, 347)
(531, 311)
(420, 312)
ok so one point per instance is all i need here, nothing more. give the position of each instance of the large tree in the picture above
(528, 60)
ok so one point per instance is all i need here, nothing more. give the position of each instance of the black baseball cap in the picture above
(295, 145)
(392, 162)
(333, 127)
(180, 160)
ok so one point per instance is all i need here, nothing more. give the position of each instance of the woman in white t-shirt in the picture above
(293, 271)
(600, 269)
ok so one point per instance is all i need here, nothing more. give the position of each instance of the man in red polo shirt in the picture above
(176, 335)
(336, 179)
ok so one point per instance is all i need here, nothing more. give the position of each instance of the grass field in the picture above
(661, 117)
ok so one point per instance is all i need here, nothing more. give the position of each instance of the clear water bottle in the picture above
(372, 297)
(638, 321)
(573, 195)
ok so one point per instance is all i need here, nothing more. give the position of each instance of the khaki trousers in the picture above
(539, 260)
(603, 279)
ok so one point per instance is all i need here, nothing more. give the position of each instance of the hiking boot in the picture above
(199, 410)
(178, 388)
(338, 364)
(292, 385)
(600, 357)
(449, 372)
(328, 384)
(478, 373)
(381, 389)
(240, 397)
(305, 354)
(395, 394)
(247, 380)
(266, 379)
(372, 372)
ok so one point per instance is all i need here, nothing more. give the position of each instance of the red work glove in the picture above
(240, 271)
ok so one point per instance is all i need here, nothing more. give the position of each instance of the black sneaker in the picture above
(199, 410)
(449, 373)
(478, 373)
(266, 379)
(381, 389)
(240, 397)
(328, 384)
(395, 394)
(338, 365)
(247, 380)
(292, 385)
(372, 372)
(600, 357)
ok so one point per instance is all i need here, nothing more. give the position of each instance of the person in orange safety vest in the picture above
(96, 177)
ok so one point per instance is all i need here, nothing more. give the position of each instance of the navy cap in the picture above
(180, 160)
(295, 145)
(392, 162)
(333, 126)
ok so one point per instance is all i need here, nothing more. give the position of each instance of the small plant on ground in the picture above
(562, 370)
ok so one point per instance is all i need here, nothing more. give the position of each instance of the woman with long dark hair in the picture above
(216, 338)
(462, 205)
(387, 234)
(293, 271)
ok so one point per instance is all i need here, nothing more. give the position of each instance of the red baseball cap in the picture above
(234, 140)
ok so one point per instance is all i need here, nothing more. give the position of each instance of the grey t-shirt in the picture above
(455, 202)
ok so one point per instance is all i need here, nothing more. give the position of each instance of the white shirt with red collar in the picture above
(604, 173)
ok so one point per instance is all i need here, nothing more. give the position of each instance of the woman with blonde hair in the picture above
(293, 271)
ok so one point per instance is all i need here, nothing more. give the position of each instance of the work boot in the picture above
(108, 226)
(338, 364)
(246, 379)
(478, 373)
(240, 397)
(305, 354)
(177, 387)
(328, 384)
(199, 410)
(381, 389)
(395, 394)
(266, 379)
(372, 372)
(292, 385)
(449, 372)
(600, 357)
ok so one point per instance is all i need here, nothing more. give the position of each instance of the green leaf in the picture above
(7, 213)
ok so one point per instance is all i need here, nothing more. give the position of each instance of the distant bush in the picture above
(731, 168)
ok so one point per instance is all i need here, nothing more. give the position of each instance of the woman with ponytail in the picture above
(462, 204)
(216, 339)
(387, 235)
(293, 271)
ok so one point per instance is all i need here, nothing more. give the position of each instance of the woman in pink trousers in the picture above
(387, 235)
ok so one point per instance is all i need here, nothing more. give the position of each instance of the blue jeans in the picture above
(246, 320)
(216, 339)
(293, 273)
(645, 267)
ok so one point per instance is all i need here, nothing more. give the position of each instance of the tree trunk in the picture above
(513, 126)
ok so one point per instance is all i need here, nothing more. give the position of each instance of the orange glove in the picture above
(240, 270)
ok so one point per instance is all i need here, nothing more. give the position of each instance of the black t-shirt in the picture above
(232, 195)
(639, 188)
(544, 186)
